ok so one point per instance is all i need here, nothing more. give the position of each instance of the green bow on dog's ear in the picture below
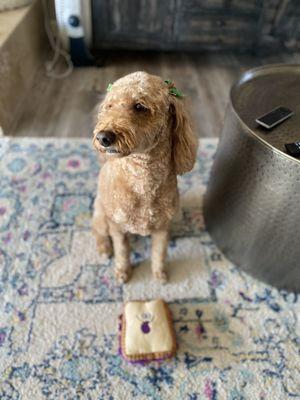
(173, 90)
(176, 92)
(109, 87)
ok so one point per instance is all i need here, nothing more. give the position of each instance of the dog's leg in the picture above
(100, 230)
(122, 253)
(160, 241)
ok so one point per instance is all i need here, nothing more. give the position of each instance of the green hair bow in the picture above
(172, 89)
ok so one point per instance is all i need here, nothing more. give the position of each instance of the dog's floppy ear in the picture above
(184, 141)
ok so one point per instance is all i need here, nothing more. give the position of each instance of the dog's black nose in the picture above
(106, 138)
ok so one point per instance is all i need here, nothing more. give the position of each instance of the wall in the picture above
(21, 52)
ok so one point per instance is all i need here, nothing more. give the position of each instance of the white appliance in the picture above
(74, 21)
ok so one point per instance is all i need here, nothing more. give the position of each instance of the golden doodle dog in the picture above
(144, 132)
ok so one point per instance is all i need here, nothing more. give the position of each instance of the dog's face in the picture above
(133, 116)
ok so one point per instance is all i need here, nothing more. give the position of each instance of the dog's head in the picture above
(136, 114)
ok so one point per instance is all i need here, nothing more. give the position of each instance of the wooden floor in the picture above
(66, 108)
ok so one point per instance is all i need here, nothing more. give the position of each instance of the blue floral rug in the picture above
(59, 303)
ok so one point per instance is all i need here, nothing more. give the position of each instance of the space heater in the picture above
(74, 22)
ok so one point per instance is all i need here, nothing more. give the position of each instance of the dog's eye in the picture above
(140, 108)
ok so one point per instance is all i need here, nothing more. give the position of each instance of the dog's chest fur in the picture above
(139, 194)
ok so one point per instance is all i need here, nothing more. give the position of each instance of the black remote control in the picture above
(293, 149)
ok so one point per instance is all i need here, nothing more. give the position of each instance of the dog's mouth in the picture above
(112, 151)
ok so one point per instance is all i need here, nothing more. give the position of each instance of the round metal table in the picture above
(252, 204)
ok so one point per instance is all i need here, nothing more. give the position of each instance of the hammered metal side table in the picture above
(252, 204)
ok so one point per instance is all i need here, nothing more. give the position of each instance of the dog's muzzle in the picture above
(106, 138)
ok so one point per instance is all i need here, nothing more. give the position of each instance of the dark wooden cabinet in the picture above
(193, 24)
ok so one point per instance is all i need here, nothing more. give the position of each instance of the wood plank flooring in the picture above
(66, 107)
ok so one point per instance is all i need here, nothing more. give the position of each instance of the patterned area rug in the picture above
(59, 303)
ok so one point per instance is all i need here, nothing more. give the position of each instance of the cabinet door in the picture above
(143, 24)
(286, 26)
(218, 23)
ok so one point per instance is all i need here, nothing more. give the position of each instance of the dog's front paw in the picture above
(123, 275)
(104, 246)
(161, 276)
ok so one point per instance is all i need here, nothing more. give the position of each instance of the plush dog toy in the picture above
(144, 132)
(146, 331)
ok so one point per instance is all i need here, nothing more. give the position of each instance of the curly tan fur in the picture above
(137, 188)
